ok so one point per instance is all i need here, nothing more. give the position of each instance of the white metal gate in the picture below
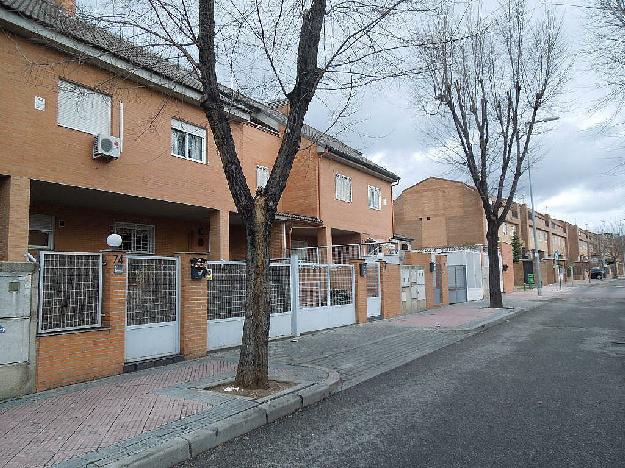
(326, 296)
(152, 307)
(226, 295)
(412, 289)
(374, 299)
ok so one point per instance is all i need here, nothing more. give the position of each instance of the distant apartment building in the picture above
(438, 212)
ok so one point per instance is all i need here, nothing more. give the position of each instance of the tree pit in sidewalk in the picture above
(230, 388)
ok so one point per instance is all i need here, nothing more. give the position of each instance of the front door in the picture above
(457, 283)
(152, 307)
(374, 302)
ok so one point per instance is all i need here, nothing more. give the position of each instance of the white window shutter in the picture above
(82, 109)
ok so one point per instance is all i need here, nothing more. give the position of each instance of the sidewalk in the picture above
(163, 415)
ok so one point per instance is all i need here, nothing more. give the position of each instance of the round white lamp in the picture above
(114, 240)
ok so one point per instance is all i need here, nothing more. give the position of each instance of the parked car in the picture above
(597, 273)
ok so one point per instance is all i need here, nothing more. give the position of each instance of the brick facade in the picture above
(360, 292)
(193, 300)
(14, 213)
(507, 266)
(390, 285)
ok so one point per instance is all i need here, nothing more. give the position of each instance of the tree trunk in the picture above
(253, 368)
(494, 277)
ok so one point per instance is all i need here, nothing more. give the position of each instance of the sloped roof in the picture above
(51, 16)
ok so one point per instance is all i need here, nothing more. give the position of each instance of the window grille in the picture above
(188, 141)
(374, 198)
(70, 291)
(315, 281)
(313, 286)
(83, 109)
(152, 292)
(373, 279)
(341, 284)
(344, 253)
(137, 238)
(226, 291)
(343, 188)
(262, 176)
(40, 232)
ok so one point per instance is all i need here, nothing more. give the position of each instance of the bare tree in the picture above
(491, 76)
(607, 54)
(290, 48)
(609, 48)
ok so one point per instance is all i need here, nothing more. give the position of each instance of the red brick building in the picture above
(65, 82)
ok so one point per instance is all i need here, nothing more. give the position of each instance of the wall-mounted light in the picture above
(114, 240)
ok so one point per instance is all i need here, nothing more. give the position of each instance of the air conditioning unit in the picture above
(106, 146)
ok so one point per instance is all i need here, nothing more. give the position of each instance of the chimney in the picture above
(68, 6)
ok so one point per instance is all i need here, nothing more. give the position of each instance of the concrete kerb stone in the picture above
(283, 406)
(201, 440)
(314, 394)
(239, 424)
(171, 452)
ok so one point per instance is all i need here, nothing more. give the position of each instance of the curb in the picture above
(190, 444)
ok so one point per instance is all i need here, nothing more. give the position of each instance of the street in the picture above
(546, 388)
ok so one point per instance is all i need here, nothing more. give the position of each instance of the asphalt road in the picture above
(545, 389)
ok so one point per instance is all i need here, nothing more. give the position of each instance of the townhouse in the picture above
(438, 212)
(102, 137)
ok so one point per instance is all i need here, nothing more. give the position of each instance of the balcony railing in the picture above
(341, 254)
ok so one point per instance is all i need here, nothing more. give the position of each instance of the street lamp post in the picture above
(539, 276)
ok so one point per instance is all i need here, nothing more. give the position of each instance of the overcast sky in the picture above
(573, 181)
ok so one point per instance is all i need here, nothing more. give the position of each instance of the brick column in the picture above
(193, 318)
(219, 235)
(324, 239)
(441, 262)
(360, 292)
(277, 242)
(14, 217)
(390, 283)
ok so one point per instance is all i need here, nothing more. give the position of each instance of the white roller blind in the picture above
(262, 176)
(83, 109)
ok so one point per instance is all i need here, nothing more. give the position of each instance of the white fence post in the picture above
(294, 294)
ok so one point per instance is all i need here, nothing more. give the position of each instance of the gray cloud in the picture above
(573, 178)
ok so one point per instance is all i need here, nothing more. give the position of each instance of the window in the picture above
(83, 109)
(343, 188)
(40, 232)
(188, 141)
(137, 238)
(374, 198)
(262, 176)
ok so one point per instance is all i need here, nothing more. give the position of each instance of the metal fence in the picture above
(152, 290)
(226, 291)
(323, 285)
(341, 254)
(70, 291)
